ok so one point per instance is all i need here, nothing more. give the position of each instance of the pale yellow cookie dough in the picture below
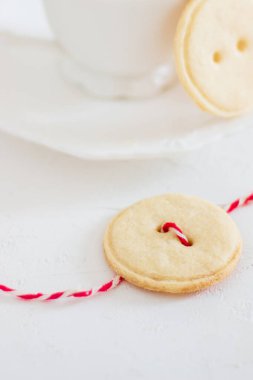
(136, 249)
(214, 54)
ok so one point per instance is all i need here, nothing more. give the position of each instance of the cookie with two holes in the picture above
(214, 54)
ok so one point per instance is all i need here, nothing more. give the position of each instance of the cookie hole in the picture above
(190, 242)
(242, 45)
(217, 57)
(159, 229)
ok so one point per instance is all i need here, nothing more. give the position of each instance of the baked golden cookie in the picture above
(137, 250)
(214, 54)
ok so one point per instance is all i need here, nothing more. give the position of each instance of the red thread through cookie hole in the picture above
(168, 226)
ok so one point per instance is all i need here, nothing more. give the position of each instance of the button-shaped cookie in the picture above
(173, 243)
(214, 54)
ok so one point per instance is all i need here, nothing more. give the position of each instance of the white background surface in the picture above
(53, 212)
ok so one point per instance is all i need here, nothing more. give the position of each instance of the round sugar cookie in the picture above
(136, 249)
(214, 54)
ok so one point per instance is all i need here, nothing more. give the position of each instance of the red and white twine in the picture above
(62, 294)
(166, 227)
(239, 202)
(116, 280)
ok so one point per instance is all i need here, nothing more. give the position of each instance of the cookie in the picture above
(214, 54)
(138, 251)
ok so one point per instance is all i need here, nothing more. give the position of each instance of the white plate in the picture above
(38, 105)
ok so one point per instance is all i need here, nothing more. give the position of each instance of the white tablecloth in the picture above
(54, 209)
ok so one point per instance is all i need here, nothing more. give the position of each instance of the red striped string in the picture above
(116, 280)
(239, 202)
(177, 230)
(62, 294)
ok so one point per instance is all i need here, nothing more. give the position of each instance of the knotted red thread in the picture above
(240, 202)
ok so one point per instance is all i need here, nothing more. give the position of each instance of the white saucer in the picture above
(38, 105)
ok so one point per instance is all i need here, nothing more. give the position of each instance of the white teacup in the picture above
(117, 48)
